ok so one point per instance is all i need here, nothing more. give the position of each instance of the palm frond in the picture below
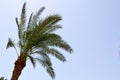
(55, 41)
(51, 19)
(49, 25)
(2, 78)
(41, 40)
(36, 33)
(32, 59)
(47, 64)
(28, 31)
(44, 51)
(50, 37)
(60, 44)
(50, 40)
(52, 28)
(10, 43)
(21, 26)
(34, 19)
(29, 22)
(23, 18)
(56, 53)
(16, 19)
(48, 22)
(44, 56)
(51, 72)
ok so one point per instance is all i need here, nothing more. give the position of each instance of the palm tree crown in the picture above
(37, 40)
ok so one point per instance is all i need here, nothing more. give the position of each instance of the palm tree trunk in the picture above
(19, 65)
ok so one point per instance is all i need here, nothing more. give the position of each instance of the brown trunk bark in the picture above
(19, 65)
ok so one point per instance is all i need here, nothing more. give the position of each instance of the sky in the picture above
(91, 27)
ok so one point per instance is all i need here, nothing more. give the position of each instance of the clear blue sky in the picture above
(91, 27)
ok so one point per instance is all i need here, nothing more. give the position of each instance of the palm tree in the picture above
(2, 78)
(37, 41)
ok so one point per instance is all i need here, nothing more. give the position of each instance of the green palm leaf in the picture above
(48, 22)
(10, 43)
(56, 53)
(52, 28)
(50, 70)
(23, 18)
(48, 65)
(34, 19)
(33, 61)
(42, 39)
(55, 41)
(21, 26)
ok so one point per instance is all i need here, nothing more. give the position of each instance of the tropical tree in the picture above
(37, 40)
(2, 78)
